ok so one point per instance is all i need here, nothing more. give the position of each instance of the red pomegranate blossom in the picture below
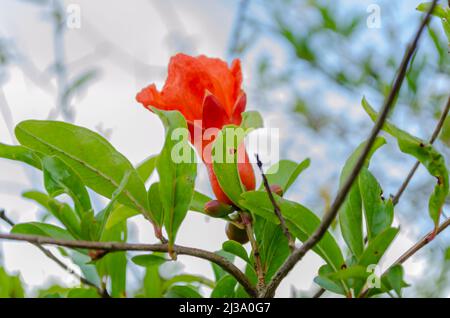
(208, 93)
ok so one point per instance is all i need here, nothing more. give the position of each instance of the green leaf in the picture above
(61, 211)
(20, 153)
(82, 293)
(182, 292)
(10, 285)
(42, 229)
(285, 172)
(394, 278)
(60, 178)
(225, 288)
(119, 214)
(327, 283)
(152, 283)
(154, 200)
(235, 248)
(149, 260)
(146, 168)
(99, 165)
(273, 245)
(376, 249)
(438, 11)
(429, 157)
(252, 120)
(198, 202)
(352, 272)
(218, 271)
(300, 220)
(379, 213)
(177, 179)
(225, 161)
(113, 266)
(101, 218)
(350, 213)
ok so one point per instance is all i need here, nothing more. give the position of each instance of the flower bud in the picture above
(277, 189)
(217, 209)
(236, 234)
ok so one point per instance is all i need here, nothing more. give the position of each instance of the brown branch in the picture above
(276, 208)
(433, 138)
(328, 218)
(118, 246)
(50, 255)
(414, 249)
(255, 250)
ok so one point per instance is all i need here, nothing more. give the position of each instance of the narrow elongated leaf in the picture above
(285, 172)
(427, 155)
(327, 283)
(60, 178)
(61, 211)
(377, 248)
(99, 165)
(20, 153)
(379, 213)
(149, 260)
(272, 243)
(154, 200)
(225, 161)
(42, 229)
(350, 214)
(177, 170)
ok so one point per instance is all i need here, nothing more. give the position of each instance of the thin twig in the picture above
(276, 208)
(328, 218)
(433, 138)
(119, 246)
(319, 293)
(255, 250)
(414, 249)
(55, 259)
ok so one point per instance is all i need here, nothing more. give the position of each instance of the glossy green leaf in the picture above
(272, 243)
(327, 283)
(60, 178)
(427, 155)
(225, 288)
(350, 213)
(42, 229)
(20, 153)
(379, 213)
(377, 248)
(61, 211)
(149, 260)
(235, 248)
(82, 293)
(177, 170)
(225, 161)
(285, 172)
(300, 220)
(99, 165)
(119, 214)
